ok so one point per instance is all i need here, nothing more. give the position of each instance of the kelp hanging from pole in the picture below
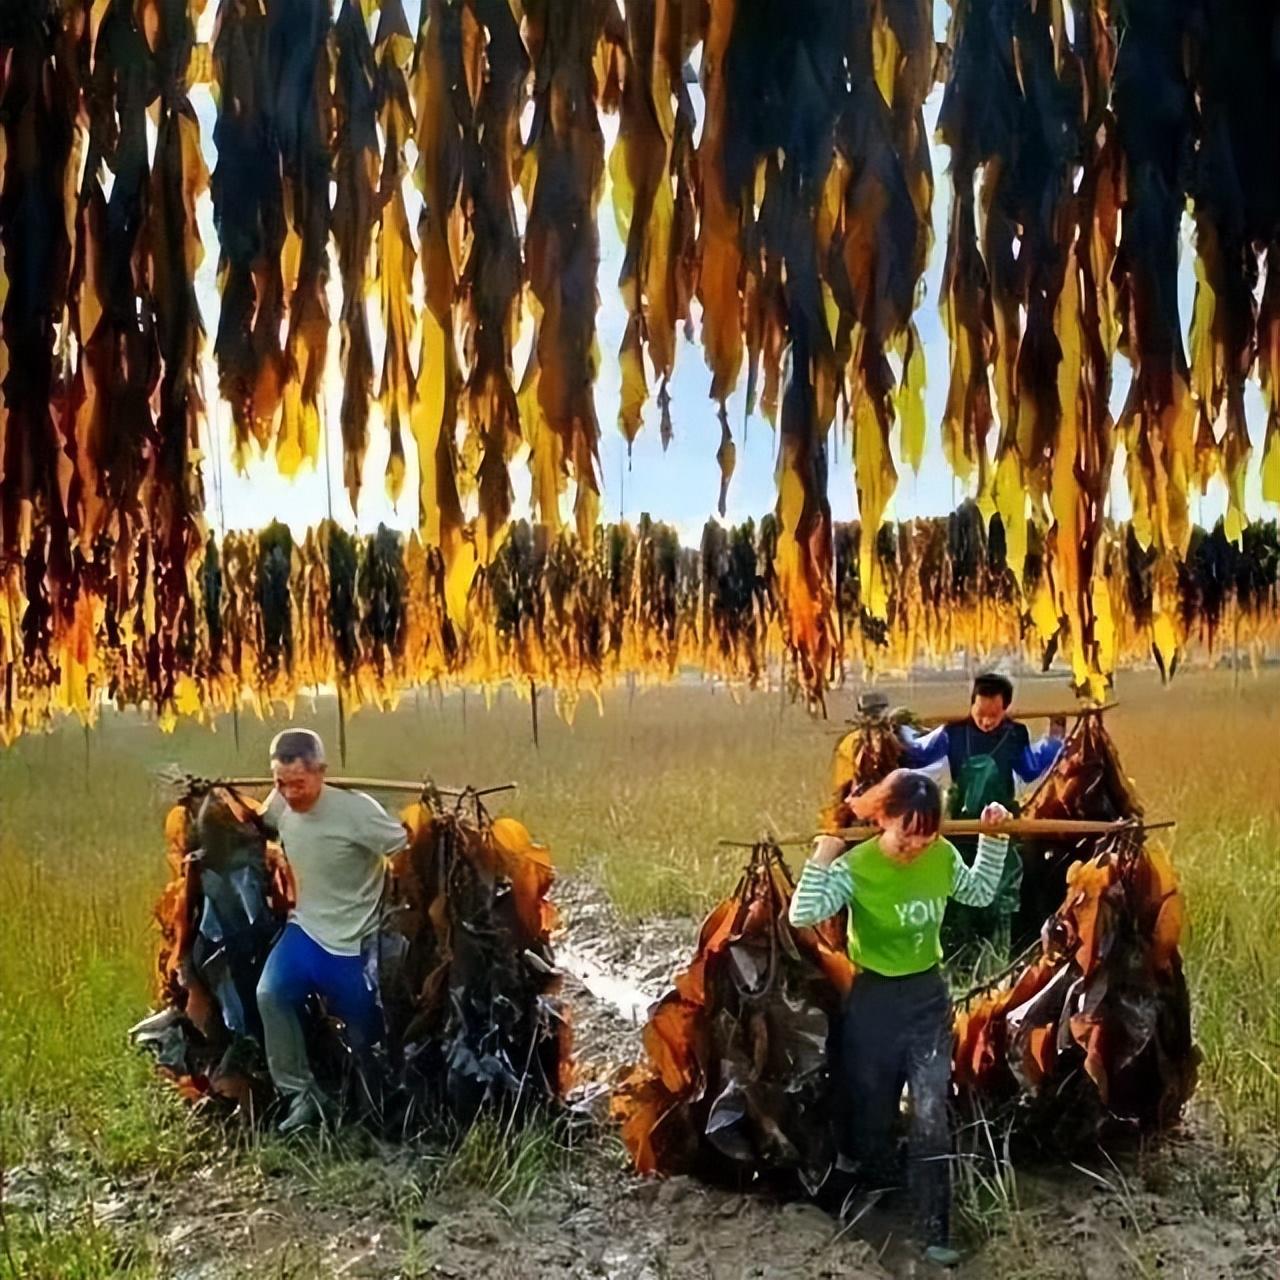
(273, 619)
(772, 183)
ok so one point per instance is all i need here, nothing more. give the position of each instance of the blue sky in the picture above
(681, 485)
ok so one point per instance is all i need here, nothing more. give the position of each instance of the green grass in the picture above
(638, 797)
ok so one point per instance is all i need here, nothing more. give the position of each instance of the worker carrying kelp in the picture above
(895, 1027)
(986, 754)
(337, 844)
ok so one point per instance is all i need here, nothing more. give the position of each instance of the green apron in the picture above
(976, 938)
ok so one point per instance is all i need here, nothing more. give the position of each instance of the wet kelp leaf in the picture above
(1097, 1032)
(38, 108)
(1237, 210)
(392, 54)
(735, 1066)
(173, 253)
(466, 975)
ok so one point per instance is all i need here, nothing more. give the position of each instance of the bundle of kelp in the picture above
(734, 1082)
(1094, 1035)
(462, 965)
(1095, 1032)
(1087, 781)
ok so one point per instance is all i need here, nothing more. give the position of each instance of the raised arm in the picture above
(1038, 756)
(920, 752)
(976, 886)
(825, 886)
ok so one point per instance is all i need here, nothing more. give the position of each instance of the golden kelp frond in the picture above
(652, 172)
(248, 207)
(562, 244)
(1158, 418)
(719, 249)
(496, 67)
(38, 109)
(435, 407)
(354, 214)
(175, 497)
(392, 56)
(298, 34)
(878, 248)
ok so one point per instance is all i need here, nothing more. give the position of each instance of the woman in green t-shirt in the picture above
(896, 1024)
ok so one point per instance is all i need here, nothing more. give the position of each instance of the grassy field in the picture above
(636, 797)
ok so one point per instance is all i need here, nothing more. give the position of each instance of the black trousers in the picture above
(895, 1032)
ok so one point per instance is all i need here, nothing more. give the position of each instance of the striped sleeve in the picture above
(976, 886)
(821, 893)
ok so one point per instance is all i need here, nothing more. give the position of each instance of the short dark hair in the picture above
(991, 684)
(915, 798)
(301, 745)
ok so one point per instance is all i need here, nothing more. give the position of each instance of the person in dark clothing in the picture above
(986, 753)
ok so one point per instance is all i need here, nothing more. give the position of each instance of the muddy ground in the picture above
(371, 1213)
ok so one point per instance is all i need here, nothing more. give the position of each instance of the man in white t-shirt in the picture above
(337, 844)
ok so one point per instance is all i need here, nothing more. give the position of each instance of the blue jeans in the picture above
(299, 967)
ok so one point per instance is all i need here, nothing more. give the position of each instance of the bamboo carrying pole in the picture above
(1047, 827)
(377, 784)
(1037, 713)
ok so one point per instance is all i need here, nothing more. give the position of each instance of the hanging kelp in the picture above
(355, 184)
(490, 95)
(782, 69)
(1154, 120)
(653, 175)
(111, 315)
(719, 247)
(301, 113)
(1236, 197)
(38, 106)
(392, 54)
(575, 73)
(248, 210)
(173, 254)
(435, 404)
(874, 234)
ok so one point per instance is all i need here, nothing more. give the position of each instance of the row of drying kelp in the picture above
(798, 216)
(270, 618)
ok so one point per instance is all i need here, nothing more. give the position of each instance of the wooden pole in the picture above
(533, 700)
(375, 784)
(1039, 713)
(1048, 828)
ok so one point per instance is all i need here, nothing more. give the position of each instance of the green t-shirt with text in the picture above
(897, 907)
